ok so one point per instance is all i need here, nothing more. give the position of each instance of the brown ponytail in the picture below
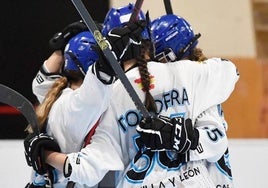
(197, 55)
(145, 75)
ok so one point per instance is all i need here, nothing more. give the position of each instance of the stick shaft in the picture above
(136, 11)
(168, 7)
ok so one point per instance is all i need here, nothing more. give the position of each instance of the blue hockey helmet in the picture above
(119, 17)
(173, 37)
(79, 54)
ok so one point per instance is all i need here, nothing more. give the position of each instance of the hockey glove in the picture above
(35, 146)
(163, 133)
(102, 68)
(125, 41)
(60, 39)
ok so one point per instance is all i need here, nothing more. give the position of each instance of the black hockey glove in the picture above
(125, 41)
(163, 133)
(102, 68)
(60, 39)
(34, 149)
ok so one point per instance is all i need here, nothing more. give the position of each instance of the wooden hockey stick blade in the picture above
(104, 45)
(135, 14)
(168, 7)
(18, 101)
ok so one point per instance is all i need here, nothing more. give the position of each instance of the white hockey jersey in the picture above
(180, 89)
(74, 113)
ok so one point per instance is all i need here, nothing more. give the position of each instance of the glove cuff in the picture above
(132, 51)
(195, 139)
(101, 75)
(67, 168)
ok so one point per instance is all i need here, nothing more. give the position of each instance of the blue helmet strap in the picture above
(76, 61)
(188, 46)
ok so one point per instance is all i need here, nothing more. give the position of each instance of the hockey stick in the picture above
(104, 45)
(168, 7)
(15, 99)
(136, 11)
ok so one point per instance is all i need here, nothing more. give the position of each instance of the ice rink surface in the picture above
(248, 160)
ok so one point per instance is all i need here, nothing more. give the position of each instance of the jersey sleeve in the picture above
(213, 82)
(42, 82)
(212, 135)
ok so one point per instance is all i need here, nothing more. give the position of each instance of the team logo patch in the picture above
(39, 79)
(138, 82)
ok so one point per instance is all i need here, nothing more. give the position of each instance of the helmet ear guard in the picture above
(187, 48)
(76, 61)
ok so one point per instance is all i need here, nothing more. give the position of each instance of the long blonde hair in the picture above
(44, 108)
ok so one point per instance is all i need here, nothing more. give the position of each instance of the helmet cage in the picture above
(166, 56)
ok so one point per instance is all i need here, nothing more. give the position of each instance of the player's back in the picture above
(184, 88)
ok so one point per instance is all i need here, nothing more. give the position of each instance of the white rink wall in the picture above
(248, 160)
(14, 171)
